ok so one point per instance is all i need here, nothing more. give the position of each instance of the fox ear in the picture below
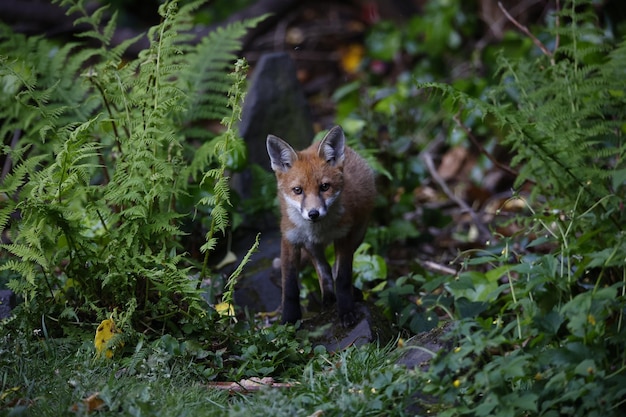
(281, 153)
(332, 147)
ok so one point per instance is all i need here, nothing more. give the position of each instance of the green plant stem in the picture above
(229, 288)
(512, 288)
(209, 237)
(109, 110)
(45, 274)
(621, 311)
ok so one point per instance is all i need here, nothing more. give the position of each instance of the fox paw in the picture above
(348, 319)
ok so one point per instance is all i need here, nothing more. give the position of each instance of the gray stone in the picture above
(275, 103)
(326, 329)
(7, 303)
(258, 289)
(421, 348)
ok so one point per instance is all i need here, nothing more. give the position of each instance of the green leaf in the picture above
(549, 323)
(586, 368)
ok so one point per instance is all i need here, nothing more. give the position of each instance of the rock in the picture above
(7, 303)
(326, 329)
(419, 350)
(258, 289)
(275, 103)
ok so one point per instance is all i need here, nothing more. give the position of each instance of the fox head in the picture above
(309, 181)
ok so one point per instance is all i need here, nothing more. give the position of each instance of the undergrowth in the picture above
(97, 169)
(541, 331)
(97, 155)
(165, 378)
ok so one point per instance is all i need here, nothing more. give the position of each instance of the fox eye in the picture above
(297, 190)
(324, 186)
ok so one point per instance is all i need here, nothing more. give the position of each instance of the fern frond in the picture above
(207, 78)
(562, 116)
(26, 253)
(101, 158)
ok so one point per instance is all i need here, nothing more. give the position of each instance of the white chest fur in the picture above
(324, 231)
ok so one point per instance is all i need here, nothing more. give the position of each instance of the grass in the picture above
(56, 377)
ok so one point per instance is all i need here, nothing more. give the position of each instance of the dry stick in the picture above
(481, 148)
(427, 158)
(433, 266)
(524, 29)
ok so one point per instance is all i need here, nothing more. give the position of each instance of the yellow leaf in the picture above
(105, 332)
(225, 309)
(9, 392)
(351, 58)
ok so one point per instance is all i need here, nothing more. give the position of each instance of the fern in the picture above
(562, 116)
(100, 161)
(206, 76)
(228, 141)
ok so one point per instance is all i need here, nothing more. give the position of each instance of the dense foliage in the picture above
(102, 175)
(538, 312)
(100, 161)
(549, 332)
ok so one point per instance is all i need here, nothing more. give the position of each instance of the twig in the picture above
(427, 158)
(495, 26)
(249, 385)
(481, 148)
(524, 29)
(433, 266)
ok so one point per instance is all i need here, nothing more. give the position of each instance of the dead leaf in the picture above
(228, 259)
(225, 309)
(351, 57)
(452, 162)
(89, 404)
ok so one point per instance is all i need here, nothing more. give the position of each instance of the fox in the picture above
(326, 193)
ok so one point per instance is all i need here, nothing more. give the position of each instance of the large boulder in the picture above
(275, 104)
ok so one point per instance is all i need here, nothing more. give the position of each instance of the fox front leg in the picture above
(343, 290)
(344, 256)
(290, 265)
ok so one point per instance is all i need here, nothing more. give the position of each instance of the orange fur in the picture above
(326, 195)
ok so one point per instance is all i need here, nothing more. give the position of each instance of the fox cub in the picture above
(326, 195)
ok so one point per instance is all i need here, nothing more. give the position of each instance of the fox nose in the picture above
(314, 214)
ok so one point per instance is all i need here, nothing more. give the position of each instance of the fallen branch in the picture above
(435, 267)
(249, 385)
